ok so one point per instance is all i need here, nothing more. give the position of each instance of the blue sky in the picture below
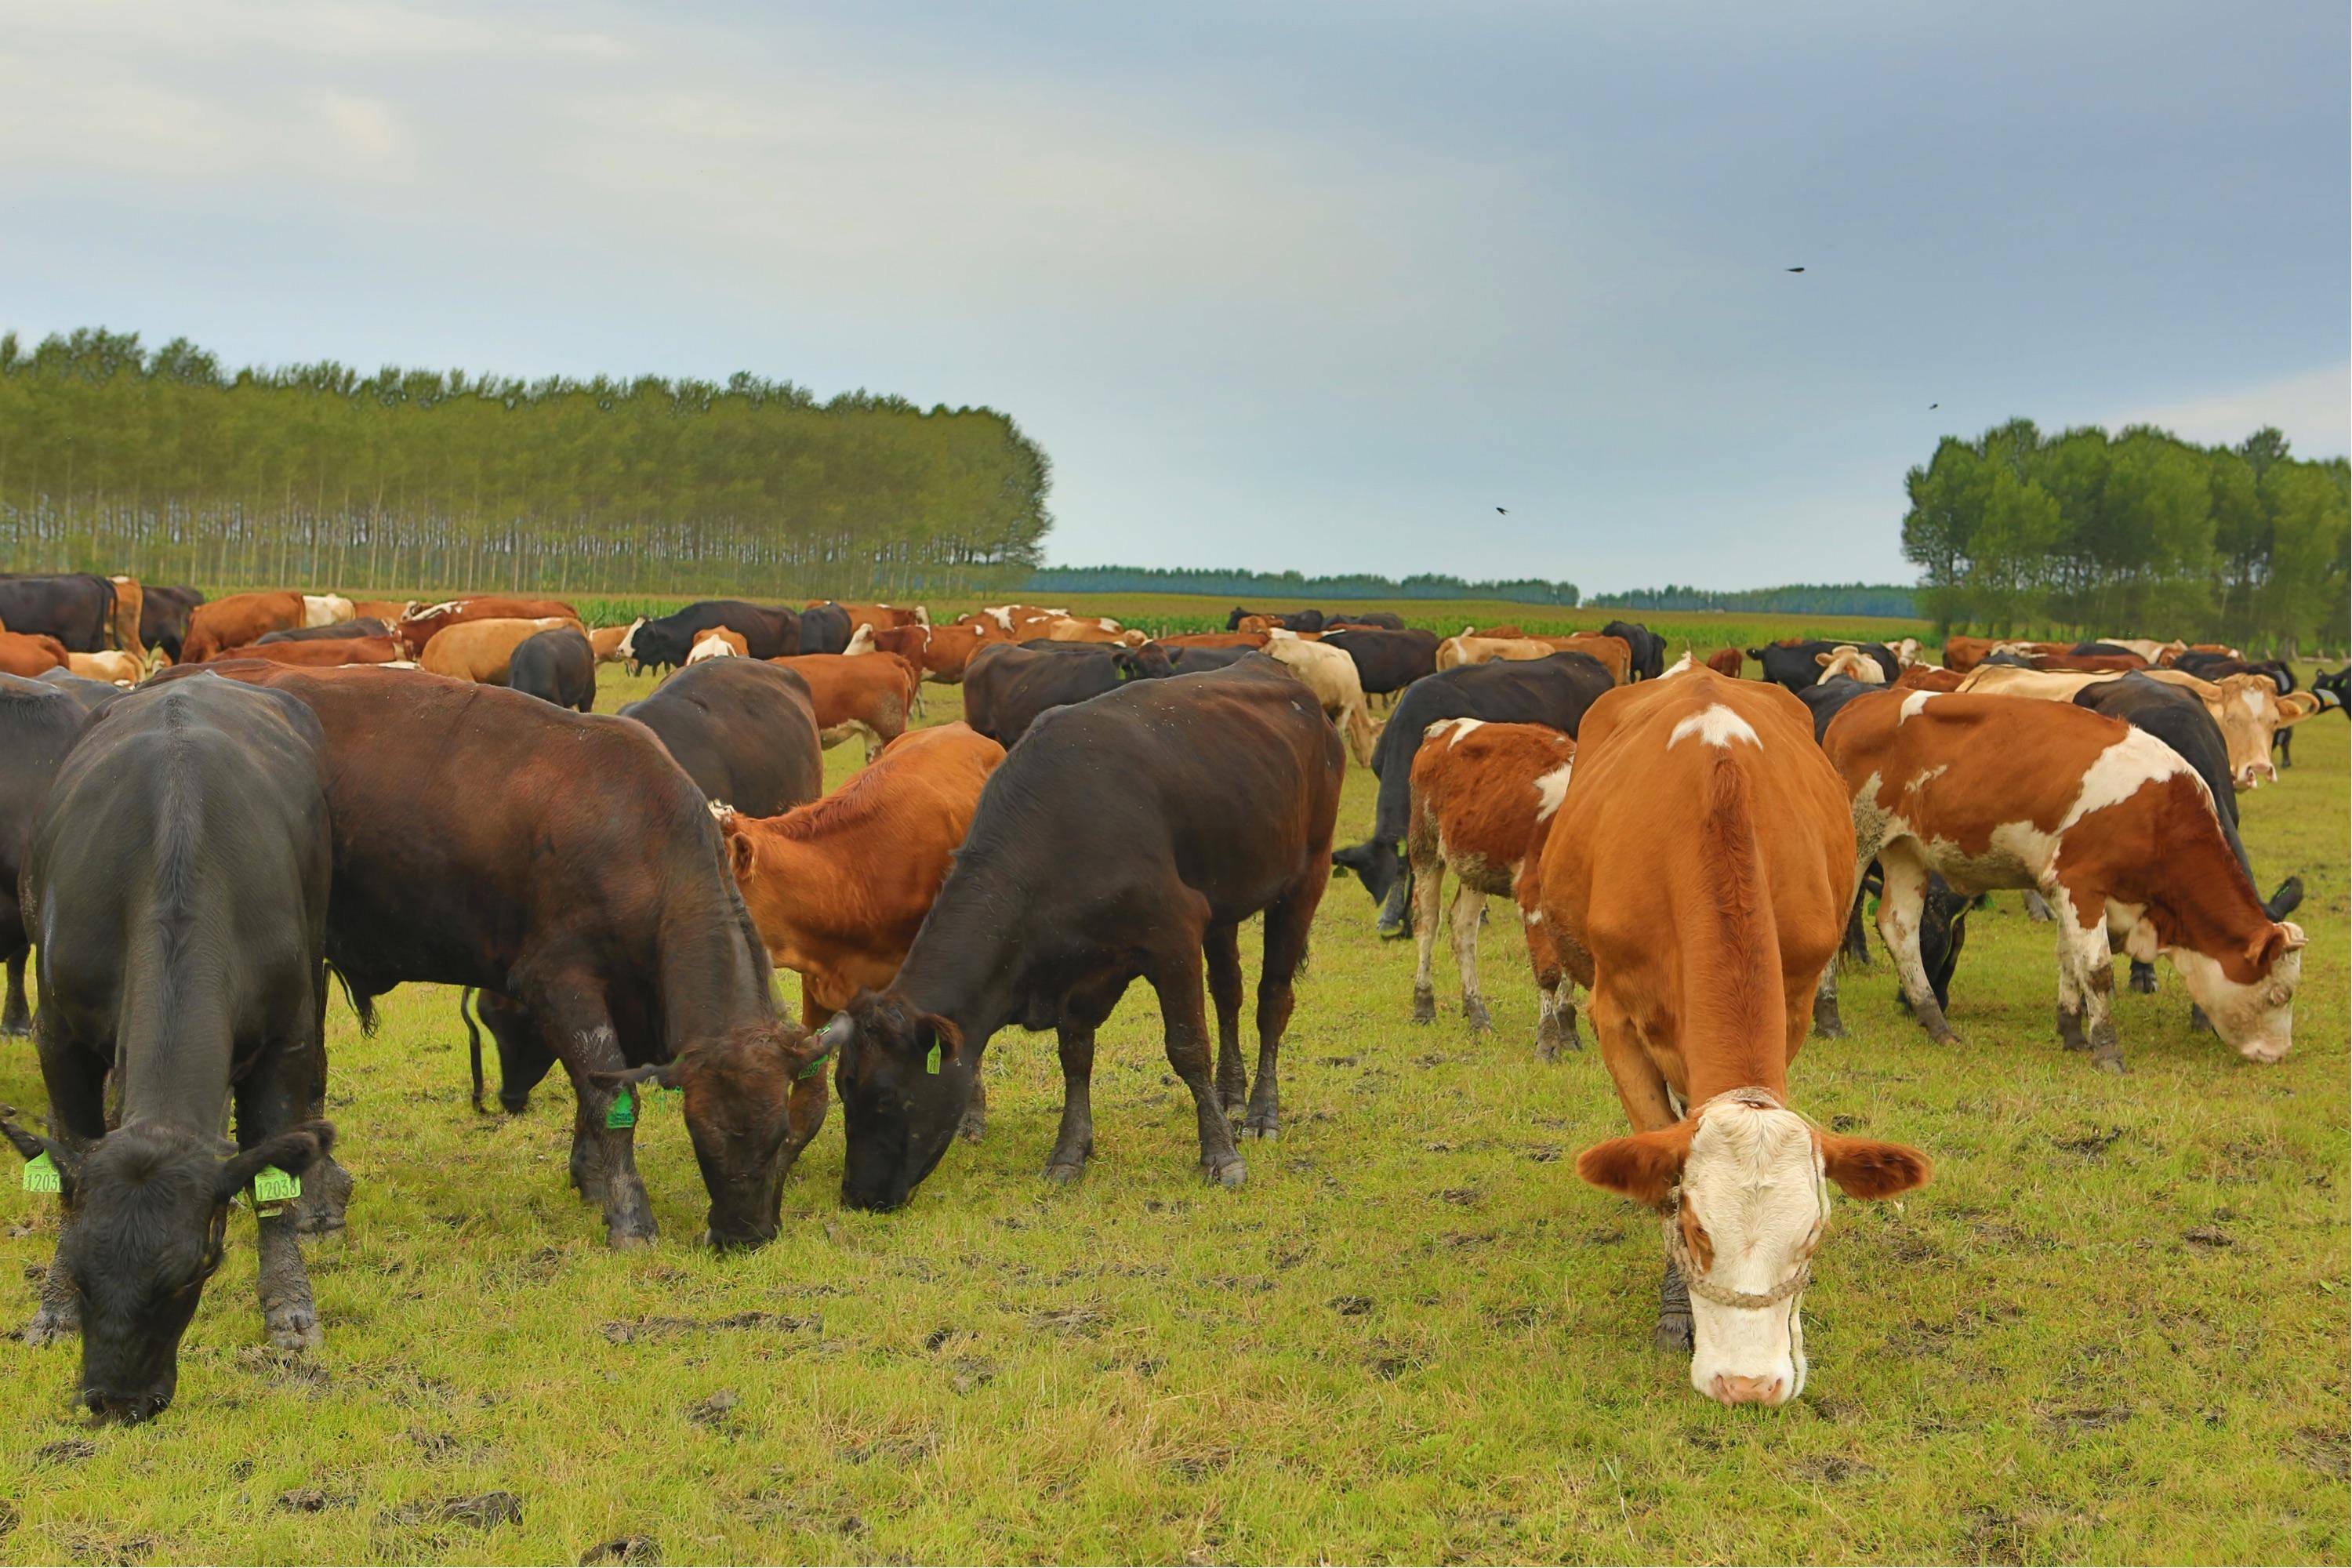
(1302, 286)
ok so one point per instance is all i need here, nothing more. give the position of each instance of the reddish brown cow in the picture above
(1928, 678)
(2106, 821)
(867, 696)
(1482, 797)
(1964, 654)
(1214, 639)
(1696, 880)
(1729, 661)
(238, 620)
(418, 628)
(839, 887)
(325, 654)
(950, 651)
(2089, 663)
(881, 617)
(30, 653)
(1611, 651)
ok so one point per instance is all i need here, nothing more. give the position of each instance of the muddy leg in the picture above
(578, 1027)
(327, 1189)
(1221, 947)
(1076, 1142)
(1469, 914)
(1899, 910)
(975, 1111)
(1426, 891)
(78, 1119)
(1286, 926)
(1176, 981)
(2037, 908)
(2094, 984)
(1826, 1022)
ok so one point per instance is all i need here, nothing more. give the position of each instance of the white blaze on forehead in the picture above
(1550, 790)
(1717, 726)
(1753, 1181)
(1913, 703)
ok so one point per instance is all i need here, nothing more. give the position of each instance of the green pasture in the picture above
(2113, 1327)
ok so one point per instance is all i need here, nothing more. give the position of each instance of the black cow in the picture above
(179, 881)
(743, 730)
(163, 617)
(90, 693)
(573, 868)
(2096, 649)
(1295, 621)
(1194, 660)
(75, 607)
(1796, 664)
(1387, 661)
(1227, 787)
(825, 628)
(2335, 689)
(1382, 620)
(359, 627)
(1649, 649)
(1005, 687)
(39, 722)
(556, 665)
(1554, 690)
(770, 630)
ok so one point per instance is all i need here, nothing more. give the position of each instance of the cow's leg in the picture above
(1857, 943)
(327, 1190)
(2143, 977)
(2036, 907)
(266, 1106)
(1427, 890)
(1555, 992)
(2086, 979)
(16, 1015)
(77, 1086)
(1221, 947)
(1826, 1022)
(1648, 1106)
(1175, 976)
(1469, 914)
(1076, 1142)
(576, 1026)
(1902, 904)
(1288, 921)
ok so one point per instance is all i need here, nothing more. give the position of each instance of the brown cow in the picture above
(882, 617)
(2106, 821)
(950, 651)
(839, 887)
(30, 653)
(1696, 880)
(1482, 797)
(1016, 622)
(1215, 639)
(2089, 663)
(391, 612)
(1728, 661)
(420, 627)
(866, 696)
(328, 653)
(477, 650)
(130, 603)
(605, 641)
(1964, 654)
(1615, 652)
(1928, 678)
(909, 643)
(239, 619)
(1508, 632)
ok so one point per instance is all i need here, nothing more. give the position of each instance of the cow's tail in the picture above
(473, 1045)
(364, 1006)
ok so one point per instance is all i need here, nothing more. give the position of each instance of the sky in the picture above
(1275, 285)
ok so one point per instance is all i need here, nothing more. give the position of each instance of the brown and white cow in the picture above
(326, 654)
(421, 626)
(1468, 648)
(326, 610)
(866, 697)
(1696, 880)
(950, 649)
(115, 665)
(2246, 707)
(1482, 797)
(1928, 678)
(2106, 821)
(1849, 661)
(718, 642)
(611, 644)
(839, 887)
(1016, 622)
(2149, 648)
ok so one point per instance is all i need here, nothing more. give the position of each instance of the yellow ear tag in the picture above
(274, 1189)
(931, 1062)
(41, 1174)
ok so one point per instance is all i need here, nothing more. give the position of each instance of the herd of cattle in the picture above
(399, 792)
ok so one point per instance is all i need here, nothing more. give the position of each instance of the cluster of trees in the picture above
(1797, 599)
(165, 465)
(2138, 533)
(1291, 586)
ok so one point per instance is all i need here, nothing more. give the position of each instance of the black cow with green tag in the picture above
(176, 891)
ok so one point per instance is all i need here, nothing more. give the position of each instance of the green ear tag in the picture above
(931, 1062)
(622, 1112)
(273, 1188)
(814, 1067)
(41, 1175)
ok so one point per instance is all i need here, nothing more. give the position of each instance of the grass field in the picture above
(2113, 1328)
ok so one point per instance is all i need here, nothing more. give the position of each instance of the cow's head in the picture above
(2248, 992)
(1146, 663)
(753, 1099)
(1750, 1176)
(146, 1221)
(2251, 719)
(1848, 659)
(625, 650)
(906, 1078)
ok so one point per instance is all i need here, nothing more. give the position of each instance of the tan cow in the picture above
(611, 644)
(328, 654)
(237, 620)
(2149, 648)
(326, 610)
(1696, 880)
(129, 603)
(1454, 652)
(114, 665)
(2246, 707)
(717, 642)
(1849, 661)
(1015, 621)
(479, 650)
(1090, 629)
(1331, 675)
(421, 626)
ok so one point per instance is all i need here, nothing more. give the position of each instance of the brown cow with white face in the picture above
(2106, 821)
(1697, 879)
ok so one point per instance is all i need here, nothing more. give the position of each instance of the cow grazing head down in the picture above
(906, 1080)
(753, 1099)
(2249, 995)
(1376, 864)
(1741, 1184)
(146, 1223)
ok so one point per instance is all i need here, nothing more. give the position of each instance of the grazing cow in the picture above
(1793, 664)
(130, 608)
(163, 617)
(28, 653)
(881, 617)
(1006, 688)
(1553, 691)
(77, 609)
(419, 627)
(1016, 621)
(1224, 640)
(2108, 823)
(1379, 620)
(867, 697)
(357, 626)
(839, 888)
(218, 624)
(578, 875)
(716, 643)
(744, 730)
(121, 669)
(611, 644)
(558, 666)
(1386, 661)
(2219, 667)
(1964, 654)
(1228, 784)
(1295, 621)
(1853, 663)
(769, 631)
(324, 654)
(39, 722)
(480, 650)
(1696, 880)
(1331, 676)
(178, 882)
(1614, 653)
(1646, 649)
(1090, 629)
(1729, 662)
(1907, 651)
(1483, 796)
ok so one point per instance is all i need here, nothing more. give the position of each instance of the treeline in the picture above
(2138, 533)
(1289, 586)
(1797, 599)
(167, 465)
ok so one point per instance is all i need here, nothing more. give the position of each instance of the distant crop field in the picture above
(2113, 1328)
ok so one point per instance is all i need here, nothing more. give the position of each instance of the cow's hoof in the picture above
(1229, 1173)
(1062, 1173)
(294, 1329)
(2199, 1021)
(18, 1026)
(1397, 932)
(1233, 1104)
(1828, 1028)
(1673, 1334)
(970, 1128)
(1945, 1038)
(50, 1325)
(1265, 1131)
(325, 1201)
(1425, 1007)
(2143, 980)
(1474, 1013)
(2109, 1064)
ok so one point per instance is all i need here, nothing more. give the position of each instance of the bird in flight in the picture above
(1504, 510)
(1935, 406)
(1796, 270)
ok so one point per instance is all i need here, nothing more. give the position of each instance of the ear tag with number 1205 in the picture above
(41, 1174)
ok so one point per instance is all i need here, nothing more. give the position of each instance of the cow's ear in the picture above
(1642, 1167)
(32, 1146)
(2273, 943)
(1823, 658)
(661, 1075)
(1866, 1168)
(2298, 716)
(932, 1031)
(292, 1152)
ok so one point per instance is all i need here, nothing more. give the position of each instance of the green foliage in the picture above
(1796, 599)
(1291, 587)
(168, 467)
(2137, 533)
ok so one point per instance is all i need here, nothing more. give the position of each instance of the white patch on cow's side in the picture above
(1922, 780)
(1534, 917)
(443, 608)
(709, 646)
(1689, 661)
(1001, 615)
(1460, 727)
(628, 646)
(860, 641)
(1550, 790)
(2137, 758)
(1913, 703)
(1718, 726)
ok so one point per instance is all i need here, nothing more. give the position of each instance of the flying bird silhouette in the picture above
(1934, 405)
(1796, 270)
(1504, 510)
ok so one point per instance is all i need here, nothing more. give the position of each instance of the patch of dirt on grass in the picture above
(2329, 1453)
(639, 1550)
(1829, 1470)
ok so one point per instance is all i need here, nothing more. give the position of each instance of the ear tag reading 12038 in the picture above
(273, 1189)
(931, 1062)
(622, 1112)
(41, 1175)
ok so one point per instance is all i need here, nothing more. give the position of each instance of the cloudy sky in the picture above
(1315, 286)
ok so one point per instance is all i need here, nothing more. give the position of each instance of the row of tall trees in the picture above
(167, 465)
(1294, 585)
(1796, 599)
(2138, 533)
